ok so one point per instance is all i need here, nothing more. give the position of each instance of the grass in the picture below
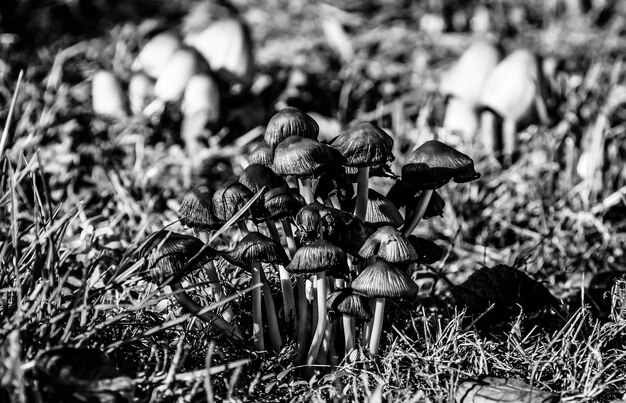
(78, 193)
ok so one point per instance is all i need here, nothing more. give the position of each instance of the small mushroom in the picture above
(262, 154)
(156, 53)
(290, 122)
(140, 92)
(107, 97)
(196, 210)
(390, 245)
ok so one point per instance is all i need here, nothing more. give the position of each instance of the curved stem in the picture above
(362, 187)
(257, 315)
(191, 306)
(419, 212)
(321, 319)
(272, 319)
(289, 304)
(377, 326)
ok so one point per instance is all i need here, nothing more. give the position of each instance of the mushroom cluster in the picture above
(494, 97)
(336, 257)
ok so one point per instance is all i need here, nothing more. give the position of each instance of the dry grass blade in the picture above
(5, 133)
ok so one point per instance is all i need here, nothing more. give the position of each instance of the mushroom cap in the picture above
(380, 211)
(388, 244)
(364, 144)
(255, 176)
(140, 92)
(256, 248)
(202, 95)
(290, 122)
(179, 69)
(229, 199)
(278, 203)
(428, 251)
(226, 44)
(334, 182)
(465, 80)
(347, 302)
(433, 164)
(156, 53)
(81, 374)
(196, 210)
(315, 219)
(262, 154)
(301, 157)
(107, 97)
(167, 253)
(319, 256)
(511, 88)
(383, 280)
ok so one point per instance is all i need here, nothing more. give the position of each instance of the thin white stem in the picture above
(321, 319)
(257, 314)
(306, 190)
(272, 319)
(377, 327)
(289, 303)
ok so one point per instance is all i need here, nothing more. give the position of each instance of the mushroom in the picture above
(228, 200)
(107, 97)
(389, 244)
(318, 258)
(250, 252)
(226, 44)
(380, 210)
(512, 99)
(334, 187)
(290, 122)
(262, 154)
(140, 92)
(429, 167)
(348, 304)
(170, 256)
(364, 145)
(382, 280)
(462, 86)
(155, 54)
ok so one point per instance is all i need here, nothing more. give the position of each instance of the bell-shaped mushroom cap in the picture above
(256, 248)
(389, 244)
(69, 374)
(315, 219)
(255, 176)
(364, 144)
(334, 182)
(347, 302)
(262, 154)
(196, 210)
(290, 122)
(302, 157)
(427, 251)
(383, 280)
(226, 44)
(319, 256)
(380, 211)
(156, 53)
(140, 92)
(433, 164)
(202, 95)
(180, 68)
(278, 203)
(229, 199)
(107, 97)
(511, 88)
(167, 253)
(465, 80)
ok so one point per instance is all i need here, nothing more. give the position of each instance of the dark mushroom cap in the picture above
(229, 199)
(380, 170)
(255, 176)
(389, 244)
(364, 144)
(256, 248)
(428, 251)
(81, 374)
(334, 182)
(350, 235)
(315, 219)
(433, 164)
(262, 154)
(301, 157)
(383, 280)
(401, 194)
(290, 122)
(278, 203)
(347, 302)
(380, 211)
(196, 210)
(167, 253)
(319, 256)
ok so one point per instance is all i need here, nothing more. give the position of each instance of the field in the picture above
(528, 287)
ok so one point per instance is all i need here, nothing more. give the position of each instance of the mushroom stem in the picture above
(366, 333)
(347, 321)
(326, 340)
(216, 283)
(335, 202)
(272, 319)
(191, 306)
(488, 131)
(306, 190)
(320, 328)
(289, 304)
(377, 327)
(419, 212)
(303, 305)
(257, 315)
(509, 140)
(362, 187)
